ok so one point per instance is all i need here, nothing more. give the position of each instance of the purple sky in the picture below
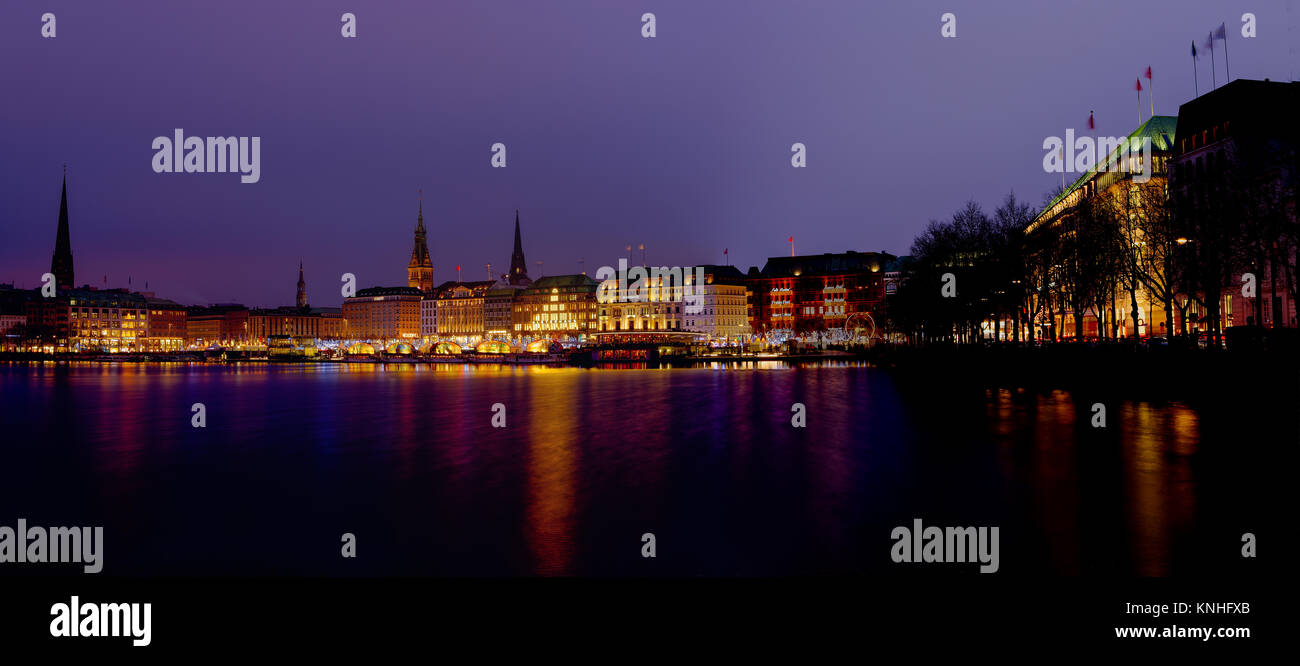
(681, 142)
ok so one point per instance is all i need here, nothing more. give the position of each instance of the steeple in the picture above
(61, 262)
(518, 267)
(419, 272)
(302, 288)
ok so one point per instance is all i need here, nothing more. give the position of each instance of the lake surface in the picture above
(406, 458)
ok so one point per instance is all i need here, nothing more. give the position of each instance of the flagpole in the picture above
(1226, 71)
(1151, 93)
(1214, 85)
(1196, 77)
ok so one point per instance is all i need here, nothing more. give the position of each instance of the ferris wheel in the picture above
(860, 326)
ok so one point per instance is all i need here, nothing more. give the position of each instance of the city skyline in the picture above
(660, 142)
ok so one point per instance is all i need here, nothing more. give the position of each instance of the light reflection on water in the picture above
(704, 457)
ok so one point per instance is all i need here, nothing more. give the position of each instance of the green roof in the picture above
(1160, 129)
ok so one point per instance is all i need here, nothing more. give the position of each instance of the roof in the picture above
(1160, 129)
(825, 264)
(562, 282)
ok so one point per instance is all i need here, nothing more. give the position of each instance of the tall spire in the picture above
(302, 288)
(518, 267)
(419, 272)
(61, 262)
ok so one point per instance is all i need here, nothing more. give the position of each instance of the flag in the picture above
(1148, 72)
(1209, 41)
(1221, 33)
(725, 251)
(1139, 84)
(790, 240)
(1193, 48)
(1091, 125)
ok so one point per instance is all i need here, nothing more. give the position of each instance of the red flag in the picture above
(725, 251)
(791, 240)
(1091, 124)
(1139, 84)
(1148, 72)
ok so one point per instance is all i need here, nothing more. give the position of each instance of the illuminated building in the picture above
(723, 298)
(816, 292)
(165, 325)
(429, 313)
(223, 325)
(61, 261)
(1110, 191)
(648, 308)
(383, 313)
(556, 306)
(460, 309)
(419, 272)
(499, 309)
(318, 323)
(1239, 139)
(110, 320)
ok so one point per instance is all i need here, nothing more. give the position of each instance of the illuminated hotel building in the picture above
(650, 308)
(724, 312)
(429, 314)
(460, 309)
(558, 306)
(1111, 188)
(816, 292)
(383, 313)
(111, 320)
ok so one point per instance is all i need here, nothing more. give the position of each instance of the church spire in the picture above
(302, 288)
(518, 267)
(61, 262)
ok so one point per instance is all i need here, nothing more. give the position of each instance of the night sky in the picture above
(681, 142)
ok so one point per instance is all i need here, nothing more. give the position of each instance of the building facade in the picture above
(558, 306)
(383, 313)
(460, 309)
(723, 315)
(419, 271)
(165, 325)
(806, 294)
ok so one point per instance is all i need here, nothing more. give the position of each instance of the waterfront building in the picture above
(498, 308)
(460, 309)
(805, 294)
(419, 271)
(1234, 167)
(223, 325)
(106, 320)
(383, 313)
(429, 313)
(165, 325)
(1107, 199)
(558, 306)
(723, 313)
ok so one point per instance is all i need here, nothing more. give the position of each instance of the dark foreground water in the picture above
(407, 459)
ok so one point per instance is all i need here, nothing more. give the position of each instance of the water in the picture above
(406, 459)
